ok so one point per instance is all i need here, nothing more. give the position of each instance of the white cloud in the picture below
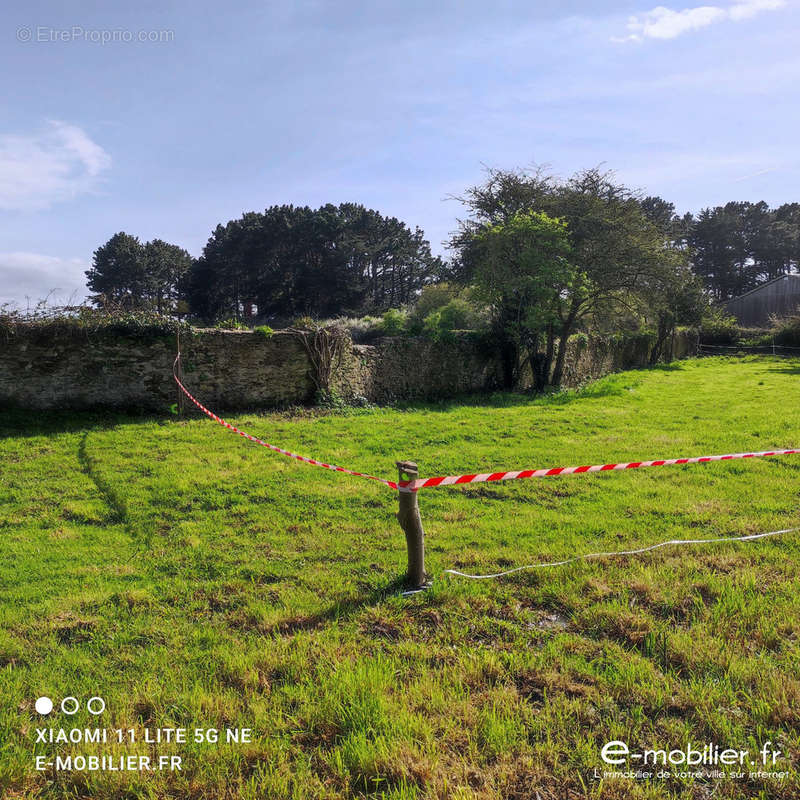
(35, 276)
(51, 166)
(749, 8)
(665, 23)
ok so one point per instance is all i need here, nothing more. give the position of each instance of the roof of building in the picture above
(793, 276)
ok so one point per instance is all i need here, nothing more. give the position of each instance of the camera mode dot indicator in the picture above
(44, 705)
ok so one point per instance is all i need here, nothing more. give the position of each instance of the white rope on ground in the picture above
(751, 537)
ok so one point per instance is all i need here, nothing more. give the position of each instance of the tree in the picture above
(660, 212)
(117, 275)
(521, 270)
(785, 239)
(130, 275)
(615, 248)
(503, 194)
(711, 242)
(165, 266)
(737, 246)
(616, 251)
(320, 262)
(674, 296)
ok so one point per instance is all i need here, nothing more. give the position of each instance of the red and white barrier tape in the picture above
(457, 480)
(453, 480)
(275, 448)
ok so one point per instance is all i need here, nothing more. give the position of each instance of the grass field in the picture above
(193, 579)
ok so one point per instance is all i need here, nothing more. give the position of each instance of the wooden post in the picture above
(181, 401)
(411, 522)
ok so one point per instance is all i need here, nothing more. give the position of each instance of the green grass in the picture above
(191, 578)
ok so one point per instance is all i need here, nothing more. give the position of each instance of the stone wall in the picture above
(231, 370)
(415, 368)
(589, 358)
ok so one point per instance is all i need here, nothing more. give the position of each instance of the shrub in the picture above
(433, 297)
(54, 322)
(264, 330)
(363, 330)
(393, 322)
(437, 327)
(305, 323)
(719, 328)
(230, 324)
(432, 326)
(330, 399)
(458, 315)
(785, 331)
(415, 326)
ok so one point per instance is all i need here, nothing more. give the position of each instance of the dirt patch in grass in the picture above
(71, 630)
(536, 686)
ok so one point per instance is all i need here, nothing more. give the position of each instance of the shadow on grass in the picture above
(119, 512)
(340, 610)
(786, 369)
(611, 385)
(559, 397)
(22, 423)
(673, 366)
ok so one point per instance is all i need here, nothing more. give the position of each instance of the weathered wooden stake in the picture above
(181, 402)
(411, 522)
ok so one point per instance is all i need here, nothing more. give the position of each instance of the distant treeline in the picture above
(285, 262)
(291, 261)
(735, 247)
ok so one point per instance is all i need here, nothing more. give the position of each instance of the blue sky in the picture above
(396, 105)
